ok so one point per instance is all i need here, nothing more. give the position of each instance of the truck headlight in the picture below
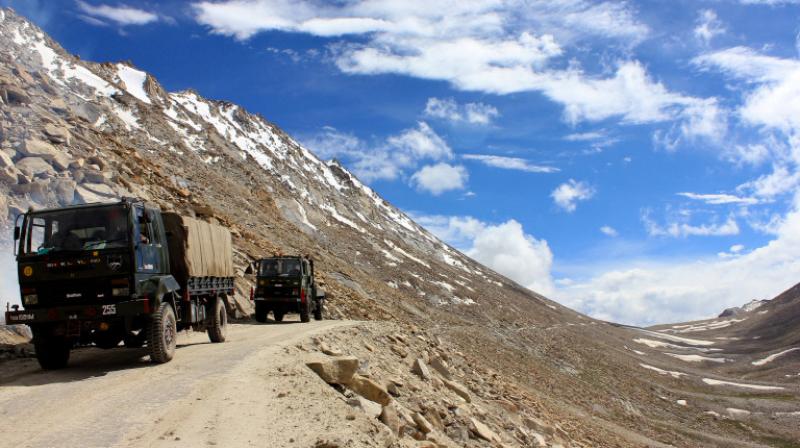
(120, 291)
(31, 299)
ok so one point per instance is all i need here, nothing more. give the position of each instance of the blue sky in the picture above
(637, 161)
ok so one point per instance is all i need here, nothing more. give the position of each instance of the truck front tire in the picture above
(52, 352)
(318, 310)
(305, 312)
(278, 314)
(261, 312)
(218, 321)
(162, 334)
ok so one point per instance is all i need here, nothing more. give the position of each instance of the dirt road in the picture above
(253, 390)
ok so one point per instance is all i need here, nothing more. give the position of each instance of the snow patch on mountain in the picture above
(134, 81)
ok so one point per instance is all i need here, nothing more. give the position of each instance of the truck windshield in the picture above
(79, 229)
(280, 268)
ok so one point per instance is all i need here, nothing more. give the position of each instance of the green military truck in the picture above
(121, 272)
(286, 284)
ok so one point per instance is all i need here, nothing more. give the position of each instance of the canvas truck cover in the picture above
(197, 248)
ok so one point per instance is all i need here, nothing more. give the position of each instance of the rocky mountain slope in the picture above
(536, 372)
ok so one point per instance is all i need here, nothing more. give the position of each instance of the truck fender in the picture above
(160, 287)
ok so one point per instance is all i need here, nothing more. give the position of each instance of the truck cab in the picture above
(286, 284)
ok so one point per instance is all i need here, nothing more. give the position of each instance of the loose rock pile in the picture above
(415, 385)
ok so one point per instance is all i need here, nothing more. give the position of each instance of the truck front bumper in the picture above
(79, 312)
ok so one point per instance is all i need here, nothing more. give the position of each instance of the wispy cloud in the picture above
(708, 26)
(719, 198)
(450, 110)
(609, 231)
(99, 14)
(389, 159)
(682, 228)
(510, 163)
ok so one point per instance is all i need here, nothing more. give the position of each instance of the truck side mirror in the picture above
(249, 269)
(16, 233)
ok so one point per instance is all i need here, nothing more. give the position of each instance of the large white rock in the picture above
(32, 166)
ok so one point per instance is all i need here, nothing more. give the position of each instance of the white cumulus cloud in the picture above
(439, 178)
(569, 193)
(503, 247)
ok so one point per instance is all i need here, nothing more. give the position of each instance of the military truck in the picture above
(119, 272)
(285, 284)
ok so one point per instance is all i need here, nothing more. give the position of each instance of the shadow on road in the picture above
(84, 363)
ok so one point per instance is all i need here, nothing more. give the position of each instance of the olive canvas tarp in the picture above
(197, 248)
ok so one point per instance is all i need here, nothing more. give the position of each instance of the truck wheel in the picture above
(304, 312)
(162, 334)
(278, 315)
(218, 321)
(52, 352)
(318, 310)
(261, 312)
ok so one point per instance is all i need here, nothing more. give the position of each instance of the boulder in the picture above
(85, 196)
(58, 105)
(95, 176)
(57, 134)
(370, 390)
(64, 190)
(100, 189)
(5, 160)
(9, 175)
(34, 147)
(372, 409)
(459, 389)
(391, 418)
(422, 423)
(323, 347)
(38, 190)
(421, 369)
(14, 95)
(339, 370)
(32, 166)
(441, 366)
(95, 160)
(483, 431)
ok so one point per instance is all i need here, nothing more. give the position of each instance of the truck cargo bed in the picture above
(200, 252)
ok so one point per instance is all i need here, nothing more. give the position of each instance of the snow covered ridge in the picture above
(321, 198)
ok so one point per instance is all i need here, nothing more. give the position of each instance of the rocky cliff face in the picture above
(73, 131)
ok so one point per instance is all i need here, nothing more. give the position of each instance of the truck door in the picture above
(149, 242)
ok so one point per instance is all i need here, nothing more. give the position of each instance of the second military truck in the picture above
(285, 284)
(120, 272)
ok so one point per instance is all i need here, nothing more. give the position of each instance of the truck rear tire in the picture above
(318, 310)
(218, 321)
(261, 312)
(52, 352)
(162, 334)
(304, 312)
